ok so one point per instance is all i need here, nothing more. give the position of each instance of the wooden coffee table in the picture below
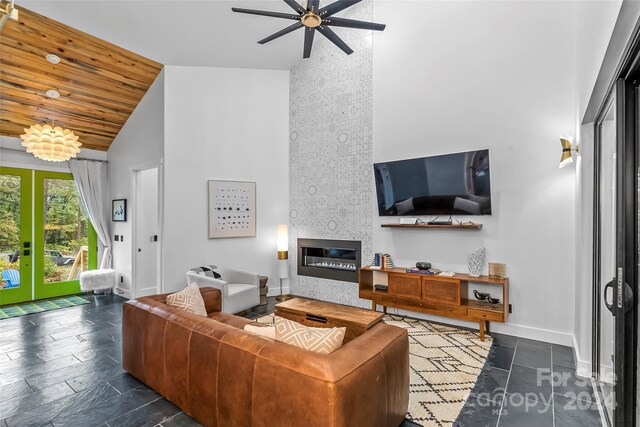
(320, 314)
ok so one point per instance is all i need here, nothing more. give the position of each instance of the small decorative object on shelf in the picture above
(380, 288)
(475, 262)
(493, 300)
(497, 270)
(480, 296)
(423, 265)
(382, 261)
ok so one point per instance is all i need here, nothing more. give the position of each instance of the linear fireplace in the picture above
(329, 259)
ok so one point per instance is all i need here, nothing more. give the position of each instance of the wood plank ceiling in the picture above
(100, 84)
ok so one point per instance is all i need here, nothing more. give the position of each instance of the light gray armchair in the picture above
(240, 289)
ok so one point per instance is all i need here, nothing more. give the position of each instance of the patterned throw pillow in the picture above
(189, 299)
(320, 340)
(208, 271)
(264, 331)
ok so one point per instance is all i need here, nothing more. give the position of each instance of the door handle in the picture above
(610, 307)
(139, 250)
(628, 297)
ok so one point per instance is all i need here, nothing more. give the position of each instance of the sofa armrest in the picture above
(212, 299)
(204, 282)
(232, 275)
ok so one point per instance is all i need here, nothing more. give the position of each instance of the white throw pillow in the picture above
(188, 299)
(263, 331)
(320, 340)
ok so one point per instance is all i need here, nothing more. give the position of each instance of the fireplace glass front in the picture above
(329, 259)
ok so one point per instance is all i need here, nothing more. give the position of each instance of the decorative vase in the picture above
(475, 262)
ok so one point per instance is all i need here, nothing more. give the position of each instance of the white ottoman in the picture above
(97, 280)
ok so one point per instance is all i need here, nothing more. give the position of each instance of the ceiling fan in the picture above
(310, 17)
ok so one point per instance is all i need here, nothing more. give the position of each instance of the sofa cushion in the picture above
(263, 331)
(320, 340)
(189, 299)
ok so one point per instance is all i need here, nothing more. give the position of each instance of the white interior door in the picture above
(147, 239)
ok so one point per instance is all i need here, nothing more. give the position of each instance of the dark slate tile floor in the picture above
(529, 383)
(62, 367)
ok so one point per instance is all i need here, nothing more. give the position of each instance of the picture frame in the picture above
(119, 210)
(232, 209)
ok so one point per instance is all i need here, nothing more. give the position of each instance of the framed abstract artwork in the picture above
(232, 209)
(119, 210)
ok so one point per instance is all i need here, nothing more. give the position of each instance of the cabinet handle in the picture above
(484, 315)
(450, 309)
(420, 304)
(394, 300)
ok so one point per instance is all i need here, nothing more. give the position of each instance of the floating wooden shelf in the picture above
(449, 226)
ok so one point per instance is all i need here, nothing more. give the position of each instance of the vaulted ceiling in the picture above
(100, 84)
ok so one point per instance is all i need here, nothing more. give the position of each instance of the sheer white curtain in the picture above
(91, 179)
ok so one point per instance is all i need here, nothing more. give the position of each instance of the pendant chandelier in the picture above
(51, 142)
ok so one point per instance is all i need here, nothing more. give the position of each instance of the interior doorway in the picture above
(146, 232)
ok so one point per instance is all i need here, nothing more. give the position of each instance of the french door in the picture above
(46, 239)
(616, 252)
(15, 235)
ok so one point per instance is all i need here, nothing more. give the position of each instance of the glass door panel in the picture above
(65, 241)
(608, 247)
(15, 235)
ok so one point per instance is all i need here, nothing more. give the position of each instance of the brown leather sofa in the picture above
(222, 375)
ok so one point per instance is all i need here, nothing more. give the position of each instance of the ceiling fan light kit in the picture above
(310, 17)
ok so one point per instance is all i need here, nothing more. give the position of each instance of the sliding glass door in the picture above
(616, 252)
(64, 243)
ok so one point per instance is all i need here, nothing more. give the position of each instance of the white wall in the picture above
(496, 75)
(595, 22)
(223, 124)
(140, 142)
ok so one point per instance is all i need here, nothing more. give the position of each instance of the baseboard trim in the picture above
(554, 337)
(272, 292)
(583, 367)
(122, 292)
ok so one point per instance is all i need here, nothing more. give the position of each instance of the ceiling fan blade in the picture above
(336, 7)
(313, 5)
(308, 41)
(352, 23)
(282, 32)
(333, 37)
(295, 6)
(266, 13)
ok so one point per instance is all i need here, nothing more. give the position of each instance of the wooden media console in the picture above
(434, 294)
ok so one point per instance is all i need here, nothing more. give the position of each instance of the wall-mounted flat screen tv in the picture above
(450, 184)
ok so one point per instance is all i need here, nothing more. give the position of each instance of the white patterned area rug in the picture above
(445, 362)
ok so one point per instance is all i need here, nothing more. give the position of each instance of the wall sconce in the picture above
(567, 142)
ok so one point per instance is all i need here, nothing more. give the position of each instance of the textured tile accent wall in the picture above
(330, 146)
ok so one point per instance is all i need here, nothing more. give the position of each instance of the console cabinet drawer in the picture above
(404, 285)
(485, 315)
(394, 300)
(451, 310)
(441, 291)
